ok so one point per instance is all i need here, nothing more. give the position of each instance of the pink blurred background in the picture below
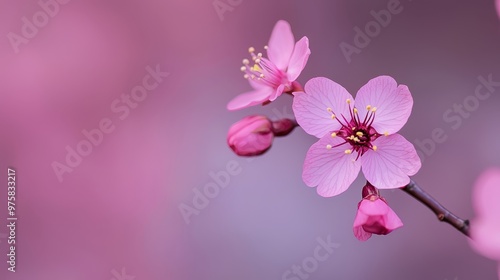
(119, 207)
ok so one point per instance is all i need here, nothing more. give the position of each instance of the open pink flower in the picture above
(374, 215)
(276, 75)
(356, 134)
(485, 229)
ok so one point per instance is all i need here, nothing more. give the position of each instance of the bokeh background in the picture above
(116, 215)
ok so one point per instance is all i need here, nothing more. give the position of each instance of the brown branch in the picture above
(443, 214)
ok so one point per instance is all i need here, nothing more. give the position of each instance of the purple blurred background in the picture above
(117, 213)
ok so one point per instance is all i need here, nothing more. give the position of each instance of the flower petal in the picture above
(392, 221)
(332, 170)
(393, 102)
(486, 194)
(372, 208)
(360, 233)
(485, 238)
(299, 59)
(498, 11)
(390, 165)
(310, 108)
(281, 43)
(250, 98)
(276, 93)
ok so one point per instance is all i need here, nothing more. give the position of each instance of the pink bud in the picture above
(251, 136)
(374, 216)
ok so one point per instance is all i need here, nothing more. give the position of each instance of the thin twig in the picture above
(443, 214)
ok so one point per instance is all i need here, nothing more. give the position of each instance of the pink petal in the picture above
(299, 59)
(486, 238)
(376, 207)
(486, 194)
(393, 102)
(498, 11)
(277, 92)
(360, 233)
(499, 262)
(392, 221)
(250, 98)
(392, 163)
(281, 45)
(332, 170)
(310, 108)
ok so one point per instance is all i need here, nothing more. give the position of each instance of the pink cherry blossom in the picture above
(374, 215)
(251, 136)
(254, 135)
(356, 134)
(485, 229)
(270, 77)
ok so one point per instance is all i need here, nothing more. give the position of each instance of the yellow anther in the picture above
(328, 147)
(386, 133)
(355, 110)
(246, 61)
(251, 49)
(354, 128)
(374, 109)
(329, 109)
(348, 101)
(356, 139)
(256, 68)
(246, 76)
(259, 54)
(348, 152)
(351, 137)
(374, 148)
(243, 68)
(368, 107)
(257, 60)
(333, 116)
(261, 76)
(359, 133)
(334, 134)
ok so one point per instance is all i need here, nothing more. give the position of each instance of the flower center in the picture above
(358, 133)
(263, 71)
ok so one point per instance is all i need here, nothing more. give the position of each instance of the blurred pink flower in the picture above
(485, 230)
(276, 75)
(254, 135)
(498, 7)
(374, 215)
(352, 138)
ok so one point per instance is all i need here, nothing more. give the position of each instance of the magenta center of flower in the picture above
(263, 71)
(356, 132)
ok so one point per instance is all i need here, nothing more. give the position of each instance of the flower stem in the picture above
(443, 214)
